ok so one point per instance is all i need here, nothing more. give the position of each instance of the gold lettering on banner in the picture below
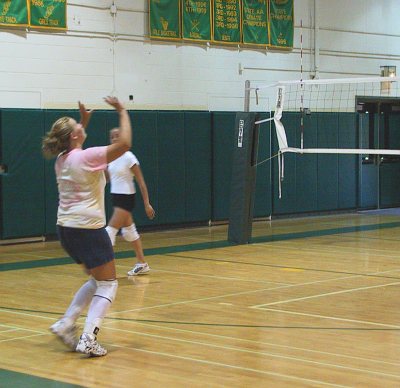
(6, 7)
(164, 23)
(49, 11)
(38, 3)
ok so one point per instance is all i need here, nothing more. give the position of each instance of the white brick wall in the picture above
(54, 70)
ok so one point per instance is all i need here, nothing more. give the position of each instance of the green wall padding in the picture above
(22, 189)
(307, 167)
(328, 172)
(171, 167)
(348, 164)
(144, 146)
(223, 124)
(197, 127)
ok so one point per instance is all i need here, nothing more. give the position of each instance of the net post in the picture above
(243, 181)
(246, 96)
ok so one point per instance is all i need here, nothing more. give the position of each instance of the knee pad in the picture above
(112, 232)
(106, 289)
(130, 233)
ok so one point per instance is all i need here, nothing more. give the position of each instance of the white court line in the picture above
(212, 363)
(107, 324)
(9, 330)
(27, 314)
(245, 293)
(213, 277)
(326, 294)
(192, 301)
(331, 318)
(296, 359)
(20, 338)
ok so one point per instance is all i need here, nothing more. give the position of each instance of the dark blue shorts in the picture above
(124, 201)
(91, 247)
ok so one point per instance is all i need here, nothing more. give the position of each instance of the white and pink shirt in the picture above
(81, 182)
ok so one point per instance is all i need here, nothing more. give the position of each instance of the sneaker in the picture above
(88, 345)
(139, 269)
(66, 332)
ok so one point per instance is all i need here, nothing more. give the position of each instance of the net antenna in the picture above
(323, 95)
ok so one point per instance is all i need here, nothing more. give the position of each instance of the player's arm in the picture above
(136, 170)
(124, 143)
(85, 115)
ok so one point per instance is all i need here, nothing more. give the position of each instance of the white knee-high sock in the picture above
(81, 299)
(101, 301)
(97, 311)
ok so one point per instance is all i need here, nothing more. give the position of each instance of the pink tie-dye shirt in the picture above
(81, 182)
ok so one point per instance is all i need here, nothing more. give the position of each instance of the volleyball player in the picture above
(81, 221)
(122, 173)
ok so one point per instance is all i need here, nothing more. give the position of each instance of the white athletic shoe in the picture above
(139, 269)
(66, 332)
(88, 345)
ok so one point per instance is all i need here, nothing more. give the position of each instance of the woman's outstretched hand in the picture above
(114, 102)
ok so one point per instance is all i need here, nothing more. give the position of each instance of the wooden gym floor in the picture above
(312, 302)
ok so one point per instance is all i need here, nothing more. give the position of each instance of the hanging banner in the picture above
(14, 13)
(255, 22)
(164, 20)
(227, 21)
(48, 14)
(196, 20)
(281, 24)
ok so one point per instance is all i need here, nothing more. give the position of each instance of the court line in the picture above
(329, 317)
(219, 364)
(269, 354)
(110, 321)
(325, 294)
(106, 324)
(216, 244)
(212, 276)
(20, 338)
(277, 265)
(18, 327)
(238, 293)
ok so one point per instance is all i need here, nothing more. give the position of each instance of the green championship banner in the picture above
(281, 26)
(164, 20)
(227, 21)
(196, 20)
(255, 22)
(14, 13)
(48, 14)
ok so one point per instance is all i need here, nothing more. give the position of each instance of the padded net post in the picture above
(243, 178)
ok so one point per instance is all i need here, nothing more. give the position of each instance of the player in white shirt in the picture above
(81, 221)
(122, 173)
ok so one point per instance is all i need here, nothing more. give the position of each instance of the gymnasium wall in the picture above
(98, 56)
(186, 160)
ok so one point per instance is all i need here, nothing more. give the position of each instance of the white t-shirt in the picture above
(81, 182)
(121, 176)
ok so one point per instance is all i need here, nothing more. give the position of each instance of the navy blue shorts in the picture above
(91, 247)
(124, 201)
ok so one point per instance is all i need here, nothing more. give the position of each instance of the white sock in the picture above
(81, 299)
(97, 311)
(112, 232)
